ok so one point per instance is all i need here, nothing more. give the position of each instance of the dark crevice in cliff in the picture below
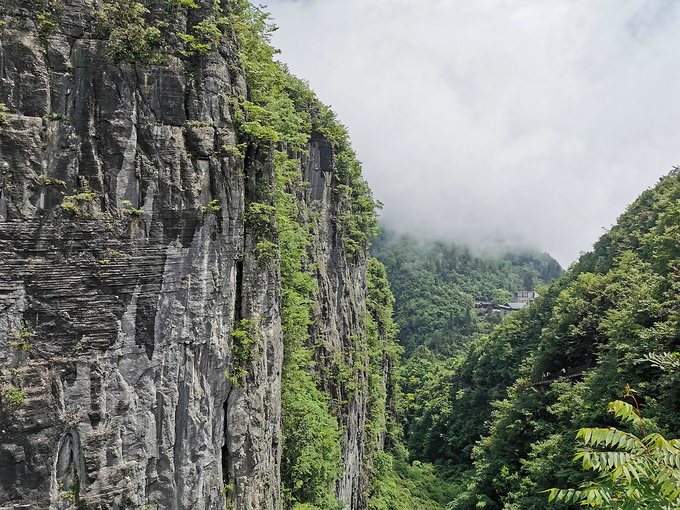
(145, 321)
(226, 457)
(238, 292)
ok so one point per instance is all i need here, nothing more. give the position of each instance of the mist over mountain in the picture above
(436, 285)
(534, 122)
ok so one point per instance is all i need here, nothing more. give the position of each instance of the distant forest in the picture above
(435, 285)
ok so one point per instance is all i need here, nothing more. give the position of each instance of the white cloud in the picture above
(537, 120)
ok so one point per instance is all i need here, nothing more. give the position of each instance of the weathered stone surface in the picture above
(119, 288)
(126, 318)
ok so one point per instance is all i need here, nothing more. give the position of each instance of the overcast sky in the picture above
(532, 121)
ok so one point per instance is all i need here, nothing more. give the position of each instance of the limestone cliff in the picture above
(127, 263)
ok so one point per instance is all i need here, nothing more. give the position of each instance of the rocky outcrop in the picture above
(125, 265)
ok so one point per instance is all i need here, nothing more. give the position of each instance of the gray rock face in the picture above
(119, 285)
(339, 321)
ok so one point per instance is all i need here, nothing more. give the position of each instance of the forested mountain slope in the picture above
(618, 303)
(436, 284)
(590, 330)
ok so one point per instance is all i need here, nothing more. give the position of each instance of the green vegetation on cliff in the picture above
(279, 118)
(311, 442)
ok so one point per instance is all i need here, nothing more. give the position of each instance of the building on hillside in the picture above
(508, 308)
(520, 299)
(524, 296)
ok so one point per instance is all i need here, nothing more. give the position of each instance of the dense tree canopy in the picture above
(436, 285)
(495, 412)
(600, 320)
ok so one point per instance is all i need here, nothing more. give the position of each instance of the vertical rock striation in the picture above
(119, 284)
(338, 320)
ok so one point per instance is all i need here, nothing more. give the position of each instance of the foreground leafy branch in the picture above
(668, 361)
(634, 473)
